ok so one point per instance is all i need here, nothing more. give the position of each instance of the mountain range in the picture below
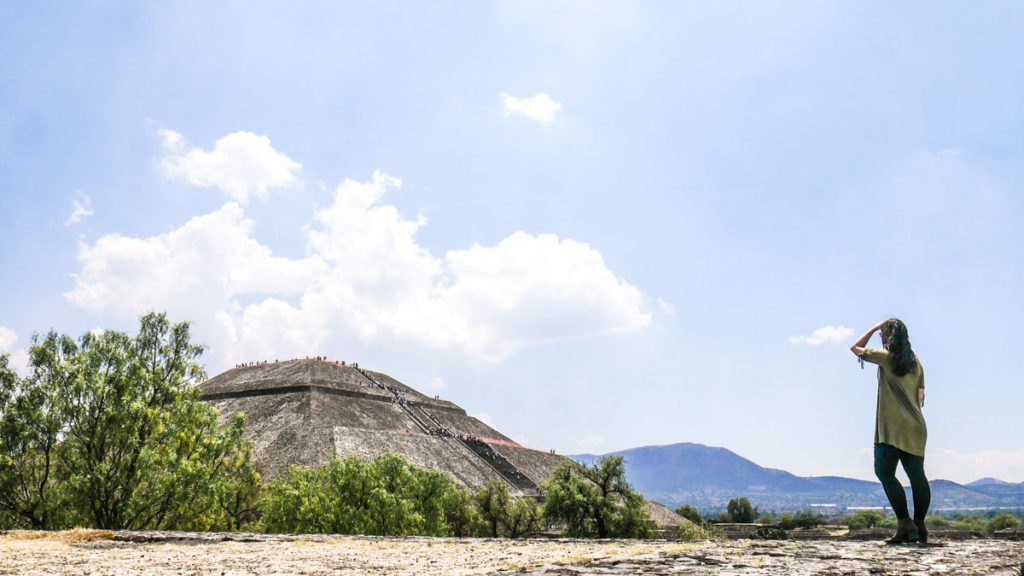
(708, 477)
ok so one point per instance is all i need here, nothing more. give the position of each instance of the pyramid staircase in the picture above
(430, 425)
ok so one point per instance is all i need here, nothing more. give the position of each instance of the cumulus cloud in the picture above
(485, 418)
(18, 360)
(824, 335)
(539, 107)
(81, 207)
(211, 258)
(365, 281)
(435, 384)
(7, 339)
(241, 164)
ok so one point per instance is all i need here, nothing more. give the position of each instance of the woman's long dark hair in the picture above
(897, 341)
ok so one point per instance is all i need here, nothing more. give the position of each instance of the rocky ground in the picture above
(179, 553)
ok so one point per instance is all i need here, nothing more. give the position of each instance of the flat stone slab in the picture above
(223, 554)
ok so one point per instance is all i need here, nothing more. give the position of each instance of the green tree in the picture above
(386, 496)
(109, 431)
(596, 500)
(524, 517)
(394, 502)
(236, 496)
(461, 515)
(1002, 521)
(30, 428)
(433, 494)
(691, 514)
(740, 510)
(493, 503)
(866, 519)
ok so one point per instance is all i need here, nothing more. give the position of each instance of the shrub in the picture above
(690, 513)
(493, 504)
(866, 519)
(693, 531)
(596, 501)
(461, 514)
(803, 519)
(1002, 521)
(937, 521)
(524, 517)
(769, 533)
(385, 496)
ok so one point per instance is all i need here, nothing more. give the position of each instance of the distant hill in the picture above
(708, 477)
(999, 489)
(987, 481)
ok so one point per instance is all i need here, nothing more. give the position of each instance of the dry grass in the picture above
(73, 535)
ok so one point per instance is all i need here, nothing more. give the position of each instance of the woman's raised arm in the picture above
(858, 346)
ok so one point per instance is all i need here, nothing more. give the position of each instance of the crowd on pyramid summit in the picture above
(317, 358)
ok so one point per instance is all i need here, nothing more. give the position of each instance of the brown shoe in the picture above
(922, 532)
(905, 532)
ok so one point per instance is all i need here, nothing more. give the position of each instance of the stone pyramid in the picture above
(306, 411)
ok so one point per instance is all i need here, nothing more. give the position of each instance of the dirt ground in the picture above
(250, 554)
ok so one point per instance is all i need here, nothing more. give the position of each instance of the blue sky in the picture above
(598, 225)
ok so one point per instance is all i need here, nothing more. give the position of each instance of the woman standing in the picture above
(900, 430)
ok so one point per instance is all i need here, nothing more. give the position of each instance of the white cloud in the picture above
(365, 282)
(485, 418)
(539, 107)
(435, 385)
(824, 335)
(241, 164)
(197, 272)
(7, 338)
(81, 207)
(18, 360)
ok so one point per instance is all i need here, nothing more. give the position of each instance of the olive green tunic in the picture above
(899, 421)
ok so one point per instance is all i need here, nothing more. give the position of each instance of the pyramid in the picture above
(309, 410)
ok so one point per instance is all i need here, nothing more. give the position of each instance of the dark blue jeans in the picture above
(886, 459)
